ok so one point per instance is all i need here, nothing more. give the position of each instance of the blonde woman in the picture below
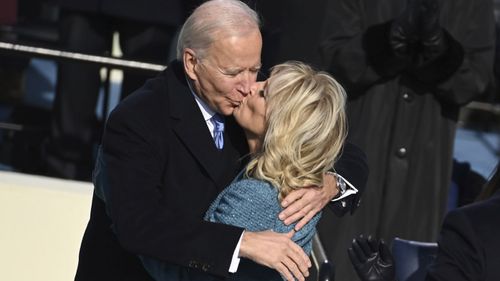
(295, 127)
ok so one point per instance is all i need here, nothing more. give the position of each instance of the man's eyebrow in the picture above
(233, 70)
(258, 66)
(237, 70)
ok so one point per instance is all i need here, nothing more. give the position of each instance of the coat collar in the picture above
(189, 125)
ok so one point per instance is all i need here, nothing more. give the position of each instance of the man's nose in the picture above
(246, 82)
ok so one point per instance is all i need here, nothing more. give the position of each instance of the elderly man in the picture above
(163, 168)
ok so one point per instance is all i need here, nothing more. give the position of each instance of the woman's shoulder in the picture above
(248, 203)
(251, 192)
(248, 185)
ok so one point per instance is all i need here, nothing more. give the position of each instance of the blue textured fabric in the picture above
(251, 204)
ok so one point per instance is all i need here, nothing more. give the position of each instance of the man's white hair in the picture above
(212, 19)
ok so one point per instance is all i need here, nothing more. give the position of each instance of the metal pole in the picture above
(20, 49)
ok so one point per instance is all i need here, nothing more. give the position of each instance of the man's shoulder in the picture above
(152, 97)
(478, 213)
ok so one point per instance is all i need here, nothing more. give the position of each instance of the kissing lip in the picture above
(237, 104)
(243, 101)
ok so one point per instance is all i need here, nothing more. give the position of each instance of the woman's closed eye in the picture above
(262, 93)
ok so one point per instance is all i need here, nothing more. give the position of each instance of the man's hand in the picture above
(371, 259)
(277, 251)
(306, 202)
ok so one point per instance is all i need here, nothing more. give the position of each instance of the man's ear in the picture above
(189, 59)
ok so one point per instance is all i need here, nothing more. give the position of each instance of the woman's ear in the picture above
(189, 59)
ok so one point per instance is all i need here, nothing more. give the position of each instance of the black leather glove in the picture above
(404, 31)
(432, 35)
(372, 259)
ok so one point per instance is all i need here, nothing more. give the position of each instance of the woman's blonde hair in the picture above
(306, 127)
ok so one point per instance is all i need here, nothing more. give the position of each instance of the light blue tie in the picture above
(218, 121)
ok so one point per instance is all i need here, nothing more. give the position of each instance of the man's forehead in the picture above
(236, 51)
(234, 63)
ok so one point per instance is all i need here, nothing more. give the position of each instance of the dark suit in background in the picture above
(469, 244)
(146, 29)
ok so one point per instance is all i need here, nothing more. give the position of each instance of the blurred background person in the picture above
(468, 241)
(146, 29)
(407, 67)
(11, 68)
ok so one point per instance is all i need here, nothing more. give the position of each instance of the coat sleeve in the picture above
(460, 256)
(474, 76)
(143, 225)
(344, 51)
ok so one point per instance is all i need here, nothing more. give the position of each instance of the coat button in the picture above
(401, 153)
(407, 97)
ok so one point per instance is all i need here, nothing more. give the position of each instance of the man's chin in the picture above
(227, 111)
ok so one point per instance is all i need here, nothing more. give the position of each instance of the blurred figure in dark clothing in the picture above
(12, 79)
(146, 29)
(468, 244)
(289, 29)
(468, 181)
(407, 67)
(496, 97)
(11, 69)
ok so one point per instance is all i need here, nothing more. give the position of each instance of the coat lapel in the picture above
(189, 125)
